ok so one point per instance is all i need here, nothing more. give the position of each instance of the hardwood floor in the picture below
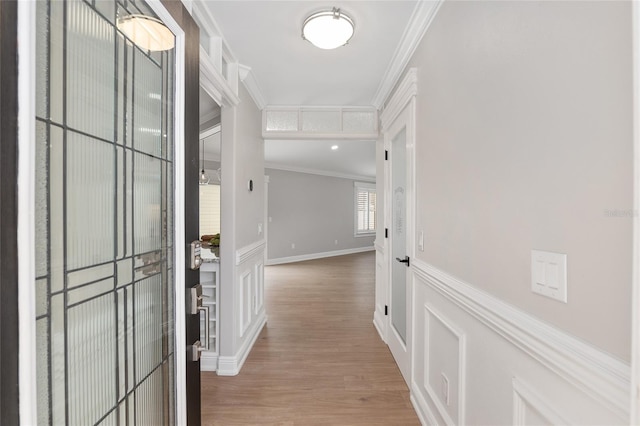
(319, 360)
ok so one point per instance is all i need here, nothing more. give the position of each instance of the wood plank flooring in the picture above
(319, 360)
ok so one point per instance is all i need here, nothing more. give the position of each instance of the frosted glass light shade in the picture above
(328, 29)
(204, 178)
(147, 32)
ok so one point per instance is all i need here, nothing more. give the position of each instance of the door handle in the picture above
(405, 260)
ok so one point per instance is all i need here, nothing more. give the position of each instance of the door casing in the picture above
(400, 112)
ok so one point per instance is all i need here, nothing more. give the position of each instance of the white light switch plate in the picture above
(549, 274)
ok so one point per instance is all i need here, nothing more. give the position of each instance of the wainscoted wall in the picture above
(479, 360)
(248, 300)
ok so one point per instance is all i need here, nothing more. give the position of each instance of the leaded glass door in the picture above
(104, 219)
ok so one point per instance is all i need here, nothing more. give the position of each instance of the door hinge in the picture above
(386, 310)
(386, 232)
(386, 154)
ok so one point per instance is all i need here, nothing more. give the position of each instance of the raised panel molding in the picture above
(594, 372)
(244, 313)
(525, 398)
(432, 316)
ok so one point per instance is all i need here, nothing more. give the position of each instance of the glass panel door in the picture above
(104, 219)
(399, 235)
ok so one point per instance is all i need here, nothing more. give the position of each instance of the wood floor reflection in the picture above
(319, 360)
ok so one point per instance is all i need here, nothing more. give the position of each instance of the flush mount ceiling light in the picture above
(334, 147)
(328, 29)
(147, 32)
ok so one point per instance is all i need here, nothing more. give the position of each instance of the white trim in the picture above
(598, 374)
(422, 409)
(407, 89)
(245, 253)
(179, 216)
(635, 316)
(26, 206)
(400, 114)
(462, 357)
(313, 256)
(210, 131)
(208, 361)
(418, 25)
(296, 169)
(300, 134)
(378, 322)
(369, 187)
(249, 80)
(523, 395)
(231, 365)
(214, 83)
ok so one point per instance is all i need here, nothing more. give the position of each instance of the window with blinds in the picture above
(209, 209)
(365, 208)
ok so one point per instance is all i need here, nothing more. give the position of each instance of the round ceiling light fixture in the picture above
(146, 32)
(328, 29)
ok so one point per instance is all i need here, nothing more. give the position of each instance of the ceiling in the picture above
(265, 36)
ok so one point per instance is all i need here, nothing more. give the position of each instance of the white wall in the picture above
(523, 141)
(242, 313)
(312, 212)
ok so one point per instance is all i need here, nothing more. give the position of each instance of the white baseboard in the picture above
(231, 365)
(422, 409)
(312, 256)
(208, 361)
(378, 323)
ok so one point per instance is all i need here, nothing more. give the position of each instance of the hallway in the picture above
(319, 360)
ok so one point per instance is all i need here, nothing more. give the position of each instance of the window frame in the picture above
(370, 187)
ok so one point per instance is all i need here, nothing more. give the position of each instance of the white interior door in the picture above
(398, 139)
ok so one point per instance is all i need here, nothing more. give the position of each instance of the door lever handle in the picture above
(405, 260)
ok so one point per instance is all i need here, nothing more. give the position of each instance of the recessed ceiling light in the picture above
(146, 32)
(334, 147)
(328, 29)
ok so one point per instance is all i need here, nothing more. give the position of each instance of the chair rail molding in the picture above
(245, 253)
(596, 373)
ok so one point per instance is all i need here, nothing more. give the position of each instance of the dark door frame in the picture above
(191, 189)
(9, 408)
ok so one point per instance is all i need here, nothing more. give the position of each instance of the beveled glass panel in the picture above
(42, 200)
(42, 362)
(148, 325)
(147, 105)
(90, 201)
(91, 352)
(90, 71)
(146, 204)
(42, 62)
(399, 234)
(149, 399)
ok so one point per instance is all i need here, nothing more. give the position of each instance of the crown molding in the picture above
(407, 89)
(249, 80)
(295, 169)
(419, 23)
